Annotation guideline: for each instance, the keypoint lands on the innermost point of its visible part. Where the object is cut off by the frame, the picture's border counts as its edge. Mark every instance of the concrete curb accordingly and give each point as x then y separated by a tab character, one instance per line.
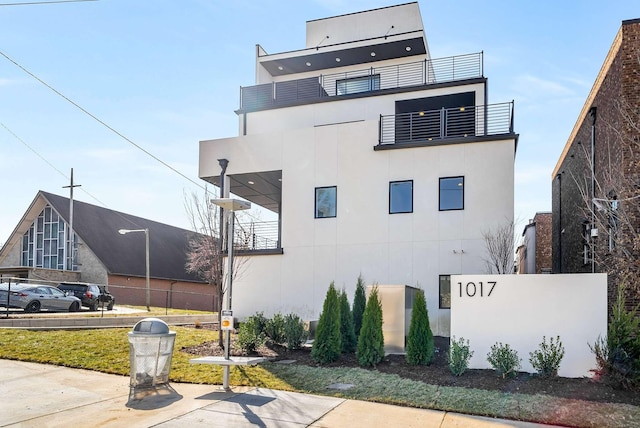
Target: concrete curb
74	323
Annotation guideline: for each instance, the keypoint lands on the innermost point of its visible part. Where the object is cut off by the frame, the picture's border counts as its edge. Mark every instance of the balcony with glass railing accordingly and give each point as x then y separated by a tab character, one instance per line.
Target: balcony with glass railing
437	126
366	80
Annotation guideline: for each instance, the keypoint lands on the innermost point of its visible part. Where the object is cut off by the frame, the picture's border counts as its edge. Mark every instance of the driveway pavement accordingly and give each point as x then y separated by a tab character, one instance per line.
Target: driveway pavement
38	395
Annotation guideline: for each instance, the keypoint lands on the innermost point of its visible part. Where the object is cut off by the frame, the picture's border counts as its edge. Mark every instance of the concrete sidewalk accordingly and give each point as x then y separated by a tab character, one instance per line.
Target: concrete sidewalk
37	395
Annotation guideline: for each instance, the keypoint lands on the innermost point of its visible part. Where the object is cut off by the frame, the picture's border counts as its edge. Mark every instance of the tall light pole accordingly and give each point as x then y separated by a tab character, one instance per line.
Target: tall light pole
146	234
230	205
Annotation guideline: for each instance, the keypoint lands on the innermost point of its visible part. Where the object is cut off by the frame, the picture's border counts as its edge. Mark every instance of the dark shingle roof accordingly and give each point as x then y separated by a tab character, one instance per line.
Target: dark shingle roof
98	228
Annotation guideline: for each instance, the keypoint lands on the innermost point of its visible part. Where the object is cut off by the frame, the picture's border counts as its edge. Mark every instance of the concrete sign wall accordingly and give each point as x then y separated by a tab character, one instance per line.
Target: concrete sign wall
519	309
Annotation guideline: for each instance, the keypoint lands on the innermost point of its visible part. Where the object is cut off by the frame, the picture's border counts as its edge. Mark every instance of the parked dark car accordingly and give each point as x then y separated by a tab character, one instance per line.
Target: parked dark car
91	295
34	297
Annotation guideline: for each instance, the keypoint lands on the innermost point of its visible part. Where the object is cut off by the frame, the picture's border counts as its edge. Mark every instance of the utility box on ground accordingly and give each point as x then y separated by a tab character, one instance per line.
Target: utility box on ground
150	350
397	306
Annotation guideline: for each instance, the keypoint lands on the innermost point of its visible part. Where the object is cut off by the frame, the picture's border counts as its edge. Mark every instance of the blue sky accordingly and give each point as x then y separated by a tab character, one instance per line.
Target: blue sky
166	74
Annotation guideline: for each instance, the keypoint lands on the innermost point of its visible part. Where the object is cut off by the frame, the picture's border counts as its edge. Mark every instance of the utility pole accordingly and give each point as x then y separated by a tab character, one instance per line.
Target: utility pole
70	236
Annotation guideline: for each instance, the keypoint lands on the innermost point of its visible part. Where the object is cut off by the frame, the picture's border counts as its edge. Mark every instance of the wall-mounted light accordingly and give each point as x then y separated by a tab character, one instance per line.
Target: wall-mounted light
373	54
408	49
308	64
337	59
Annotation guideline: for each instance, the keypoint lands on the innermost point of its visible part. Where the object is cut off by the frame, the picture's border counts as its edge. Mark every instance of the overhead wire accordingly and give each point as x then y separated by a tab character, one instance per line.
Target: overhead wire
44	2
248	214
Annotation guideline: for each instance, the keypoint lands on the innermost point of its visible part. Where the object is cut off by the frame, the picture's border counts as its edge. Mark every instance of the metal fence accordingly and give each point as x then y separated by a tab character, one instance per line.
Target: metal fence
257	235
439	70
170	296
461	122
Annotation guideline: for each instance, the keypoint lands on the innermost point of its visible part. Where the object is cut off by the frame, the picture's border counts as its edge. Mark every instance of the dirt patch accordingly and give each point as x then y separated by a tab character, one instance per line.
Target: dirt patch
438	373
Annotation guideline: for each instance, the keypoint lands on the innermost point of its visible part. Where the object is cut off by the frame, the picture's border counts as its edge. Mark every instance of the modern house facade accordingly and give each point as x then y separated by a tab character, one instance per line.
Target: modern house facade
534	255
372	159
596	181
39	249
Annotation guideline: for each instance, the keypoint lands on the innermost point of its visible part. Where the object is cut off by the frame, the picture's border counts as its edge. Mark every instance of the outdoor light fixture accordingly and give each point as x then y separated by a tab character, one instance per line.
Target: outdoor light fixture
146	233
229	204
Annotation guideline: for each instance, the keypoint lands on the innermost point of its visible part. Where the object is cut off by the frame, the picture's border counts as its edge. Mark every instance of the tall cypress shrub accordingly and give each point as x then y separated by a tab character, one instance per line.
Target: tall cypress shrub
326	346
359	303
420	344
347	334
371	340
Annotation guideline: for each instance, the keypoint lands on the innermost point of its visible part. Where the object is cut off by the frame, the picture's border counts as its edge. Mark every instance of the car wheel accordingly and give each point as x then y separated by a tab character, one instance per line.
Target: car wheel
33	307
111	304
94	306
75	307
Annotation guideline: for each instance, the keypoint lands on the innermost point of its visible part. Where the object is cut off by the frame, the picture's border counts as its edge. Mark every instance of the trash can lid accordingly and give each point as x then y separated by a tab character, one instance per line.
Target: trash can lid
151	326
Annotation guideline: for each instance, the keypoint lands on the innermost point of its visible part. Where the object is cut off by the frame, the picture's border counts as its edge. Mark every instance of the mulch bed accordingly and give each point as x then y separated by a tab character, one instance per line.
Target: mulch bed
438	373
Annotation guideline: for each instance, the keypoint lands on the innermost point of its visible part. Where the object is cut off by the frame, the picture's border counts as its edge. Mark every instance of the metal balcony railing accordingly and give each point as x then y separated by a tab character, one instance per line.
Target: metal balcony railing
279	94
257	236
424	126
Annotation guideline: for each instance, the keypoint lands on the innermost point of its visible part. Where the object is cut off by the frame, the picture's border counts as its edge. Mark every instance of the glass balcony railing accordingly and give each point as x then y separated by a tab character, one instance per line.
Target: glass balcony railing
312	89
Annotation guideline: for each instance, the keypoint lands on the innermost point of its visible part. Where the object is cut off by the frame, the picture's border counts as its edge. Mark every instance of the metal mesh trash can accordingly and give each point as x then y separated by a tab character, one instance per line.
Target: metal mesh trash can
150	351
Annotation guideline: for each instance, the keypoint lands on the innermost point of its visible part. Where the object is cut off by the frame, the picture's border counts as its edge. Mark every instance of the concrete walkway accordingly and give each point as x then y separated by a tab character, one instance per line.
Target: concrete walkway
37	395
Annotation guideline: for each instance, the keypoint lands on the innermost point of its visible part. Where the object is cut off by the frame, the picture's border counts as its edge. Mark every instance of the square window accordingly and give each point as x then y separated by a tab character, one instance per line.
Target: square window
445	292
325	202
401	197
451	193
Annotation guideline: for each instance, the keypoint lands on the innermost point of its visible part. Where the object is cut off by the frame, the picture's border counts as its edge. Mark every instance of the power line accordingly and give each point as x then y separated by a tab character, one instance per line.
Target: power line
103	124
44	2
85	111
47	162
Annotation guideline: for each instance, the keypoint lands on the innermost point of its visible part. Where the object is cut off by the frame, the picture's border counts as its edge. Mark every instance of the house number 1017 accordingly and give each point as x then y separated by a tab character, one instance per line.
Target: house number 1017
472	290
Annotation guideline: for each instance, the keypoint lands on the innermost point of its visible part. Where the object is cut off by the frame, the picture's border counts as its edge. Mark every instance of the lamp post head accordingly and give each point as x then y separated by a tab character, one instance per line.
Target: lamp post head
230	204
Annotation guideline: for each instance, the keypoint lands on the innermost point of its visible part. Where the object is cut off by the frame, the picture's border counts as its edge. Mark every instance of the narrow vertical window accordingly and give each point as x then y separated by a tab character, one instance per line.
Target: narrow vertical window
451	193
445	292
614	223
401	197
325	202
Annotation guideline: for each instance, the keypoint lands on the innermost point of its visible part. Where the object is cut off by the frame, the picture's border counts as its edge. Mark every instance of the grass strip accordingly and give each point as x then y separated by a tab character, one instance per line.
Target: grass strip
107	350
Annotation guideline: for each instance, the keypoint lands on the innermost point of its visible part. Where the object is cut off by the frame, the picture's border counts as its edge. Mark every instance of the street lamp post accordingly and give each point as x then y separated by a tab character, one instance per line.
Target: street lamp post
229	205
146	233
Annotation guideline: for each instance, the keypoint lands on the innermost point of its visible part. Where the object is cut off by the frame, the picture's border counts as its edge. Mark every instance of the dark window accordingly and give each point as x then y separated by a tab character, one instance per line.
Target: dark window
614	223
401	197
325	202
586	242
355	85
451	193
445	291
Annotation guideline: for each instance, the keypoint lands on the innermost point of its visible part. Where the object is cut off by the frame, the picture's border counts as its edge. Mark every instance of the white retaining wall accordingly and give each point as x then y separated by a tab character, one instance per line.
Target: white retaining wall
520	309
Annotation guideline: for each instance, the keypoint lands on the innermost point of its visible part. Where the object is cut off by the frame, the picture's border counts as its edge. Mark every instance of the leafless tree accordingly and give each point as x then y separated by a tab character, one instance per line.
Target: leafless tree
500	244
206	255
611	197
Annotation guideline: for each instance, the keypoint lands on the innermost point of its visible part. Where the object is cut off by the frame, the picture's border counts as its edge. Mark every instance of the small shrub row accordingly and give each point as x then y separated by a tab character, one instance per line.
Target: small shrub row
287	330
504	359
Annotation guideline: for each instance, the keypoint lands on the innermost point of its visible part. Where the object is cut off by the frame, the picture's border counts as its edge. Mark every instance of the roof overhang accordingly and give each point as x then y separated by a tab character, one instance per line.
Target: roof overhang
260	188
346	54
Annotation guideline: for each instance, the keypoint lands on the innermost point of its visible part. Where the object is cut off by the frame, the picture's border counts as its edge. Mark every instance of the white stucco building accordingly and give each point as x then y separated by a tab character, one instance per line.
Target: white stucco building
374	159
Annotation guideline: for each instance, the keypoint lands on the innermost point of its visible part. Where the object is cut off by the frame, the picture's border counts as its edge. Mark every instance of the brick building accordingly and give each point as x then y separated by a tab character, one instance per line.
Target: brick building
534	255
596	184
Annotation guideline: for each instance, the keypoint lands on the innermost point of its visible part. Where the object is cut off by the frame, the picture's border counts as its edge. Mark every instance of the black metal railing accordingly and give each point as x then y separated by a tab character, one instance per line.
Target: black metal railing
257	236
461	122
310	89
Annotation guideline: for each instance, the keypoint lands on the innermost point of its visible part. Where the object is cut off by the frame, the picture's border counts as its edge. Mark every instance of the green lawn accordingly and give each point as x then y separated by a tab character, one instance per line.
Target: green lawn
108	351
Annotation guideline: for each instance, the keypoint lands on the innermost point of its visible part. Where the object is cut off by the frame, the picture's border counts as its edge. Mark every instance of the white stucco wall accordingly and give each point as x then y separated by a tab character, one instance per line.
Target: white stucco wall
520	309
411	249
